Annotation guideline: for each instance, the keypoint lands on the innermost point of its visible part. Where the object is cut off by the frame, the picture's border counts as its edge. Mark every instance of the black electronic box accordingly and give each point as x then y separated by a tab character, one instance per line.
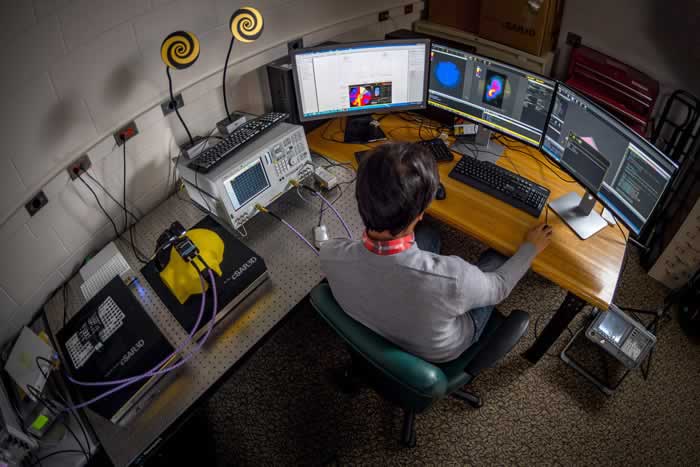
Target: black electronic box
112	337
242	272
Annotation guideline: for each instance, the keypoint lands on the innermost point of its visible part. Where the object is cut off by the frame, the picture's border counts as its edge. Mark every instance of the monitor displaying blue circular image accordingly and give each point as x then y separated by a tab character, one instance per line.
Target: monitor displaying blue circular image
447	74
447	77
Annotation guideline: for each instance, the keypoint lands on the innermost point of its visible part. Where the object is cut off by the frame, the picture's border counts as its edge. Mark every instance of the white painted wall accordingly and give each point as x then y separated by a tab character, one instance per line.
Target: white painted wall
76	70
658	37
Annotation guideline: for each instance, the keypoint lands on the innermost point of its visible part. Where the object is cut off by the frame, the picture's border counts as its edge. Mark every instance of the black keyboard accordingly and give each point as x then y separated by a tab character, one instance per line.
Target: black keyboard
245	133
439	149
502	184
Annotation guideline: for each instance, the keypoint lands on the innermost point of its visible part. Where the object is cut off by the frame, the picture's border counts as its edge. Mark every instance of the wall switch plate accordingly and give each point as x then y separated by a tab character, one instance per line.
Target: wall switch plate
35	204
125	133
79	166
169	106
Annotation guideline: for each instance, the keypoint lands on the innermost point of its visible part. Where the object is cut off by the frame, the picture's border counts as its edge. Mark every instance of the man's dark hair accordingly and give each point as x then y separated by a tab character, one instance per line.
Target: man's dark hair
395	183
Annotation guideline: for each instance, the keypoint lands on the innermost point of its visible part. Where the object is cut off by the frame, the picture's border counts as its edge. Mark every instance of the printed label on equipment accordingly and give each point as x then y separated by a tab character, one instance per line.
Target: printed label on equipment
632	349
111	317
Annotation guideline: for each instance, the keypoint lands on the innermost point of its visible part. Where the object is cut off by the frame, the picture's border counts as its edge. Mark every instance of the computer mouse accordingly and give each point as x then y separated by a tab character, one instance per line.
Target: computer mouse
440	194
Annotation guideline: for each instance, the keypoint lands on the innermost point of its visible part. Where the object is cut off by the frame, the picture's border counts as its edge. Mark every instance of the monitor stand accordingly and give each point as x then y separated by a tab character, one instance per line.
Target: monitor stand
578	213
479	146
482	139
363	129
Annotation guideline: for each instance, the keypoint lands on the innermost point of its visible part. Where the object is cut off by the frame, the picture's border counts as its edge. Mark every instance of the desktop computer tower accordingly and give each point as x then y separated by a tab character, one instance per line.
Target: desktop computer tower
279	75
283	93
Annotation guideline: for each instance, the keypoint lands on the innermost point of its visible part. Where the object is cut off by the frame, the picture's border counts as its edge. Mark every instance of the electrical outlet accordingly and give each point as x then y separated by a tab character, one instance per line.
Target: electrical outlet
408	9
169	106
383	15
79	166
572	39
295	44
125	133
35	204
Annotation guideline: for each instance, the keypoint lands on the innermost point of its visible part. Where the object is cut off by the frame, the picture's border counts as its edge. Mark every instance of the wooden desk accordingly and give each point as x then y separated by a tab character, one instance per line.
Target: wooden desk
588	269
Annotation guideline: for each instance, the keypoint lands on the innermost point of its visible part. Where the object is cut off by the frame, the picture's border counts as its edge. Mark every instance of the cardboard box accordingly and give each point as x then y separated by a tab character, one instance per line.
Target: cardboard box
521	25
461	14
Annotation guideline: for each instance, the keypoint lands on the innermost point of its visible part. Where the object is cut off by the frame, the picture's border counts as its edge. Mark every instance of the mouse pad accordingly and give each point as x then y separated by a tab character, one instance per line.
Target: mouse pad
240	267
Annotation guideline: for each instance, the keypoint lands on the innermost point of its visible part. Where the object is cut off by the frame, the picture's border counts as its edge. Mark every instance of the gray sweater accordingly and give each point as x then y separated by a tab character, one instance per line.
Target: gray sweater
418	300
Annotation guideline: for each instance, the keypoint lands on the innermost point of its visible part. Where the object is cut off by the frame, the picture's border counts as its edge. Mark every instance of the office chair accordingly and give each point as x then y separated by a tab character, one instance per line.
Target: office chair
406	380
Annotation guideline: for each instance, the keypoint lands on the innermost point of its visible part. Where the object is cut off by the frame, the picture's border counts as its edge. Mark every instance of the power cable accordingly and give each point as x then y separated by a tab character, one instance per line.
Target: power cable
289	226
331	207
114	225
177	111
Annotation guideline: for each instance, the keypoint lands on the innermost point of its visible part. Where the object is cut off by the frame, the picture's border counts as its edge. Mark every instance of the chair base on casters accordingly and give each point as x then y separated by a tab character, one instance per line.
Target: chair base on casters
469	397
408	431
405	379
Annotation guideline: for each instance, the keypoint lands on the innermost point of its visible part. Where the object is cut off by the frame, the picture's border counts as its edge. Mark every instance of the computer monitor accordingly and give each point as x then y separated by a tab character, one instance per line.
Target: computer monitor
624	171
360	79
498	96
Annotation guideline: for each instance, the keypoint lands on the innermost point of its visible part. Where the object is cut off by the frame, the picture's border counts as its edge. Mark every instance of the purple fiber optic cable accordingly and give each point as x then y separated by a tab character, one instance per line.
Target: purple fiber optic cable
337	214
313	248
177	365
182	345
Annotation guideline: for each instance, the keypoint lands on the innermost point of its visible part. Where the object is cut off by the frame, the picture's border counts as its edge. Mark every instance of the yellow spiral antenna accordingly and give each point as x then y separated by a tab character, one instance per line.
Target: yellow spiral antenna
180	50
246	24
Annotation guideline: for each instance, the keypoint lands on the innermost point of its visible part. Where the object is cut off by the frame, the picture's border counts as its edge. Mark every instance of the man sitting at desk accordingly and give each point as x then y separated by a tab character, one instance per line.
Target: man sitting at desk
395	282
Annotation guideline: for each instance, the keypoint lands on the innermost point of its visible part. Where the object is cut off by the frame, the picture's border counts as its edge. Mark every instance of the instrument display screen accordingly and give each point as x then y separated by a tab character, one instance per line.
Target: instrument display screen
247	184
613	327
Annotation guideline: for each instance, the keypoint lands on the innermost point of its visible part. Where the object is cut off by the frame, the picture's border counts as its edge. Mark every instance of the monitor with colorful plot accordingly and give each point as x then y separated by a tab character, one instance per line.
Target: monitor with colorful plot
496	95
361	79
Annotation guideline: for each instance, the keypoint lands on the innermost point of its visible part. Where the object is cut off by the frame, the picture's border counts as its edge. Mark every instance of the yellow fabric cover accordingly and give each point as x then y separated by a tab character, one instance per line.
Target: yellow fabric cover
180	277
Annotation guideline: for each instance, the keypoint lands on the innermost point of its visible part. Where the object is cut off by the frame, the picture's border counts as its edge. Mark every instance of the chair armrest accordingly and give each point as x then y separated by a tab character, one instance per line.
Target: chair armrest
500	342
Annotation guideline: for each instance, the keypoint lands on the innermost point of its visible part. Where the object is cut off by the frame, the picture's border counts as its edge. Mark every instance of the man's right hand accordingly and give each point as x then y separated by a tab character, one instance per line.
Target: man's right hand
540	236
